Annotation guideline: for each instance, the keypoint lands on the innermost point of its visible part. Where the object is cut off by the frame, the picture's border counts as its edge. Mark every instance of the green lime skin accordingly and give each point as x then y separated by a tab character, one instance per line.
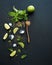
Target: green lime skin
30	9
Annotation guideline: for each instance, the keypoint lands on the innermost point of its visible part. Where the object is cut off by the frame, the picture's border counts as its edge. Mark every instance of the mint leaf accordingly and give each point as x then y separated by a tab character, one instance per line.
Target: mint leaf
11	13
23	56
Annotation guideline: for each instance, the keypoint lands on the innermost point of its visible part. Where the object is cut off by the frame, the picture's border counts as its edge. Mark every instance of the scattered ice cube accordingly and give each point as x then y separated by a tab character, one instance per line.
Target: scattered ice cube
21	31
14	45
11	36
10	24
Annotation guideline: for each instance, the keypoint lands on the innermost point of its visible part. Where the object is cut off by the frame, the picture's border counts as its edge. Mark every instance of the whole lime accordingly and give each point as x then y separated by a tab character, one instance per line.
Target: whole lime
30	8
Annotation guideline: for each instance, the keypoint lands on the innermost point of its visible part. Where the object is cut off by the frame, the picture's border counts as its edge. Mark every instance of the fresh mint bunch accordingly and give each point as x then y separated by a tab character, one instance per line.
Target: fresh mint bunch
18	15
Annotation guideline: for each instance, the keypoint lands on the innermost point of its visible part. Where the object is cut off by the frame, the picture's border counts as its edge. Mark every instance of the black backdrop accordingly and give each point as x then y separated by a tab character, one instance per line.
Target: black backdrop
40	48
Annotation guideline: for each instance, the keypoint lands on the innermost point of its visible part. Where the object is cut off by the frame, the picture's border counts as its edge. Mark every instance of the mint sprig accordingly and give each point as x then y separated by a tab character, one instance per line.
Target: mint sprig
18	15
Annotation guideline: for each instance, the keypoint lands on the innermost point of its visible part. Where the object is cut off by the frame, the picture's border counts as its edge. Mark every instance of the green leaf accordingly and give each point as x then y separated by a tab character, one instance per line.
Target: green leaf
25	18
26	15
21	12
19	15
16	14
24	11
10	49
11	13
23	56
14	19
19	38
19	50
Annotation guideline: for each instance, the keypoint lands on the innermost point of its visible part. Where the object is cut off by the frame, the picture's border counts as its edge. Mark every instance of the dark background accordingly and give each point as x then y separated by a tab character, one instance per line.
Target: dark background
40	49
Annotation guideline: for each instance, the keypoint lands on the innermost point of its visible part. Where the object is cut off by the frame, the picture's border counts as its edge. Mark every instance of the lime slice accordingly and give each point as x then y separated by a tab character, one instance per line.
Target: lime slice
13	53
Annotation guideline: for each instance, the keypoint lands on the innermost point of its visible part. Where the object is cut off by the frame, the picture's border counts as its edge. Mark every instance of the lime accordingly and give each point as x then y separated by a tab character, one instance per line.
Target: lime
30	8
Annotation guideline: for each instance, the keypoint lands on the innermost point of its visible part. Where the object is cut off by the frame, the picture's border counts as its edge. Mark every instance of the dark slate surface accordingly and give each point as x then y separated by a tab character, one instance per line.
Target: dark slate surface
40	49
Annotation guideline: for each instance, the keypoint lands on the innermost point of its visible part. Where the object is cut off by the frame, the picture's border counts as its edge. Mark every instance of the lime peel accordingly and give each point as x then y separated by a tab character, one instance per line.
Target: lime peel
30	8
13	53
5	36
23	56
21	44
15	30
